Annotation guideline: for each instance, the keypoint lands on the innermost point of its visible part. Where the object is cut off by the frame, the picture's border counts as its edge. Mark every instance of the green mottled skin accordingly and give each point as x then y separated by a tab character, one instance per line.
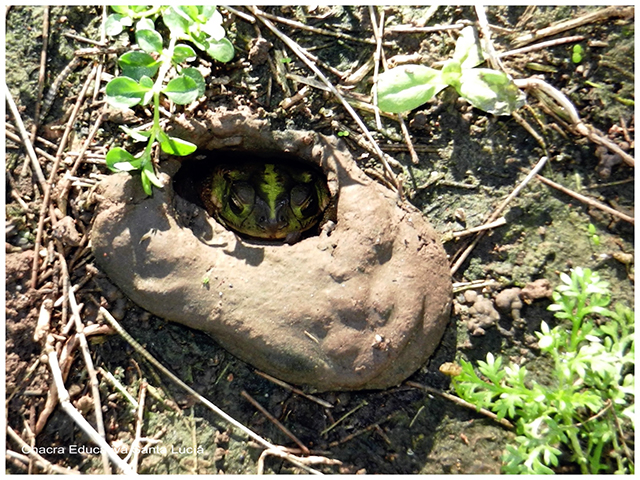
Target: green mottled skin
266	200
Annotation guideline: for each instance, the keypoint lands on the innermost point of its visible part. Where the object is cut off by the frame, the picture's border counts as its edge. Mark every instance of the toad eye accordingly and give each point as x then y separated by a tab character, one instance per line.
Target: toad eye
300	196
241	196
302	201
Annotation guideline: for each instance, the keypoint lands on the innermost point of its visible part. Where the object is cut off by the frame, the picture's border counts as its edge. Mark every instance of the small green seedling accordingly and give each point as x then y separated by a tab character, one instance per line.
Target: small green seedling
144	70
595	238
577	53
406	87
585	410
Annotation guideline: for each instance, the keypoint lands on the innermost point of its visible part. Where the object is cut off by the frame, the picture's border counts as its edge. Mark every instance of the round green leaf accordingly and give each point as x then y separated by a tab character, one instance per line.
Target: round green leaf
138	64
182	53
122	9
221	50
176	22
196	76
145	24
149	40
181	90
406	87
115	24
123	92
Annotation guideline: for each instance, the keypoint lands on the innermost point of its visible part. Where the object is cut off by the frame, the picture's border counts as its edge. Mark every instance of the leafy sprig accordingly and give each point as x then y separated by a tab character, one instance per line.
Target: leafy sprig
406	87
588	407
144	72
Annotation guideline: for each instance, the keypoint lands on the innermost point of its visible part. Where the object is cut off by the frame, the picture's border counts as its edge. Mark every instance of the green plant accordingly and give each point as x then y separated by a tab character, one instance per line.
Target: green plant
406	87
144	72
588	406
577	53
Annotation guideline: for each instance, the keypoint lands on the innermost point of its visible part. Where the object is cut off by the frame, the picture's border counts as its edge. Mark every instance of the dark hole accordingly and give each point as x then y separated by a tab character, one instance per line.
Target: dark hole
195	174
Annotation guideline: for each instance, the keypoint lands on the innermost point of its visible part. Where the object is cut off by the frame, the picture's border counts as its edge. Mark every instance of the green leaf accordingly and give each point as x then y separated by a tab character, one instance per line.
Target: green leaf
407	87
213	27
138	64
176	22
451	73
490	90
146	184
175	146
182	53
181	90
123	92
195	75
149	40
122	9
468	52
147	169
136	135
116	23
145	24
119	160
221	50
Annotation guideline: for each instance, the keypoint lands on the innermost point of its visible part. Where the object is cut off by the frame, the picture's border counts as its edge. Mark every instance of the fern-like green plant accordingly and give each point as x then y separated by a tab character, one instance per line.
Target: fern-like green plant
587	412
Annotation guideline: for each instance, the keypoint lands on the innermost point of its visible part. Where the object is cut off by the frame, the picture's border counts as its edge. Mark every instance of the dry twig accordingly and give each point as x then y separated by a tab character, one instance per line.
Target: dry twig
457	400
497	212
603	14
275	421
587	200
67	406
296	49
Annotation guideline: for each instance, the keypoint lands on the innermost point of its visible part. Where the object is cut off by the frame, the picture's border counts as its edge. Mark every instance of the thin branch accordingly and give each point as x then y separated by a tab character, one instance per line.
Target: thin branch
25	137
42	73
587	200
542	46
457	400
67	406
52	176
321	31
275	421
578	125
603	14
497	212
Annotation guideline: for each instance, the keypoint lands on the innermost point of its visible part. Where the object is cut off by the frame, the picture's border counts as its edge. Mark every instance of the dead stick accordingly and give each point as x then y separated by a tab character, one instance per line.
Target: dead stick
293	389
67	406
502	421
497	212
275	421
52	176
587	200
41	74
614	11
25	137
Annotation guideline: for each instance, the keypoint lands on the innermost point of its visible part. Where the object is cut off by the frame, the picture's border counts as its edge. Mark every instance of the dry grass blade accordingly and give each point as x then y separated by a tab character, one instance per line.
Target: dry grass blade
275	421
537	85
43	463
587	200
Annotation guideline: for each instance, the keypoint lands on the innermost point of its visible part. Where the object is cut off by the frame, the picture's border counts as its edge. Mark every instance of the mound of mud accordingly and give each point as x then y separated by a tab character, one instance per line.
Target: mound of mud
359	306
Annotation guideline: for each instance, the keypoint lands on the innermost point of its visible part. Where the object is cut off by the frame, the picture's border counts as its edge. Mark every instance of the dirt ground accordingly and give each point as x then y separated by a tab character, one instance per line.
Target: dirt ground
469	162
